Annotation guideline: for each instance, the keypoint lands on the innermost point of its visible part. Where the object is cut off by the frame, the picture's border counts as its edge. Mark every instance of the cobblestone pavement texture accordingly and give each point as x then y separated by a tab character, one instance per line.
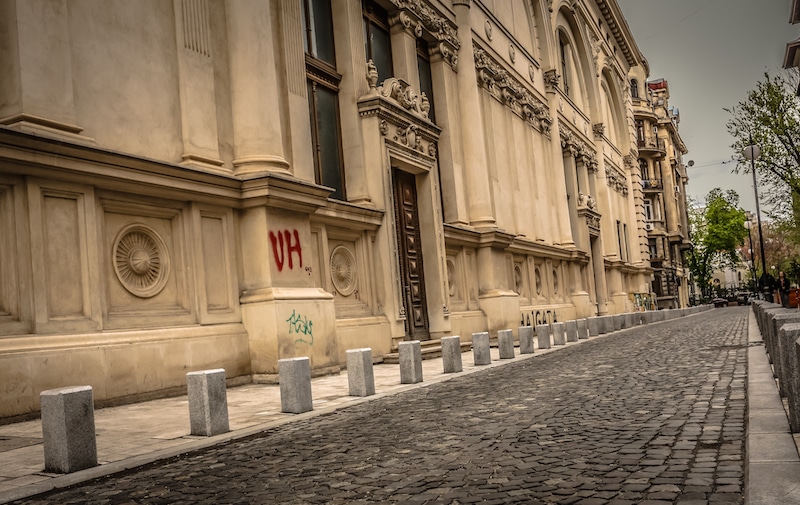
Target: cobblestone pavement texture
653	415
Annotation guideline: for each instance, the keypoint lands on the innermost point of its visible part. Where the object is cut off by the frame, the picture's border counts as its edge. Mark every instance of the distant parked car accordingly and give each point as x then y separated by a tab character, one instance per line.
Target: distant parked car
719	302
743	297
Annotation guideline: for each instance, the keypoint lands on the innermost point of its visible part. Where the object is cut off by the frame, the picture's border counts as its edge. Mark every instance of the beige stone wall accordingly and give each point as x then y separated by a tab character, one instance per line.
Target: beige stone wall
157	181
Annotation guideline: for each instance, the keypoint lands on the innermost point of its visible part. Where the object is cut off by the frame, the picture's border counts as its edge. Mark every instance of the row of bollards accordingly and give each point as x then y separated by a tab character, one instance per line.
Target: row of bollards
68	413
780	329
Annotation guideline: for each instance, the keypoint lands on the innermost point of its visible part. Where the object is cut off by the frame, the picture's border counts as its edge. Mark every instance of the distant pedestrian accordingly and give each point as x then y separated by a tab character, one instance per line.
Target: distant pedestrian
783	289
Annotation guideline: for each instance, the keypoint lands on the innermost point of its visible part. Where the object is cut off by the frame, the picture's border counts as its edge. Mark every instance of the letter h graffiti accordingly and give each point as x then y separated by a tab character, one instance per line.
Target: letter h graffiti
283	247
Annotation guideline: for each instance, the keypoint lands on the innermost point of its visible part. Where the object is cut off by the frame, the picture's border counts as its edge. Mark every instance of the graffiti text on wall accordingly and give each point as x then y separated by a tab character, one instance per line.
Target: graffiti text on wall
283	247
535	317
302	326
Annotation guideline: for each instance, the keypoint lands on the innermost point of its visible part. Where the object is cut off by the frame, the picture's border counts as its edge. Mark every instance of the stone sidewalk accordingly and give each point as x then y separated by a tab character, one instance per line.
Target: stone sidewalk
133	435
138	434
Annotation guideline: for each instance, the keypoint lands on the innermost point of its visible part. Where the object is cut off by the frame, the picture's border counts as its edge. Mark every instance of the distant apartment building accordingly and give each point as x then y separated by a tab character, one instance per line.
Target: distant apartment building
196	184
663	179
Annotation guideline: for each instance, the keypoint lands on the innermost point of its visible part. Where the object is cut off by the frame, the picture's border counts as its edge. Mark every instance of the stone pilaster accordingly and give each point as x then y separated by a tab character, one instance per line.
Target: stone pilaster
258	139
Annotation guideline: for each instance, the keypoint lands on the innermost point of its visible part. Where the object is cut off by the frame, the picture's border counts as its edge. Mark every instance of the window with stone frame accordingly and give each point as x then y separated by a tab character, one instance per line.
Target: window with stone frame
634	88
322	81
377	39
425	76
643	171
564	59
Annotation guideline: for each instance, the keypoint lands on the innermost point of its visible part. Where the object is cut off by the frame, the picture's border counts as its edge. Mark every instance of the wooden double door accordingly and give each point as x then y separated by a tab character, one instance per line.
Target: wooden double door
412	278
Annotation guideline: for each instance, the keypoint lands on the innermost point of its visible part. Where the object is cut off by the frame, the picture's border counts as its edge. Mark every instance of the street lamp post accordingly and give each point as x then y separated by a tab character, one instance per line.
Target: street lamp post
752	152
752	253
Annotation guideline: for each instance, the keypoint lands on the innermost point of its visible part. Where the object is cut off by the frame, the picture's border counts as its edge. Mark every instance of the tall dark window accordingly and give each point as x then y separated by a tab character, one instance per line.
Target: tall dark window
562	47
634	88
376	37
322	83
640	131
643	169
425	79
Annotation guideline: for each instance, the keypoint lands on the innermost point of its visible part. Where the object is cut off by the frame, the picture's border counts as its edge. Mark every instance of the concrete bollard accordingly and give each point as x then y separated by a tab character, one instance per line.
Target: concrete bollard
583	329
558	334
571	329
594	326
505	344
543	336
360	375
630	320
208	402
70	443
410	362
618	320
294	376
451	354
607	323
480	348
526	339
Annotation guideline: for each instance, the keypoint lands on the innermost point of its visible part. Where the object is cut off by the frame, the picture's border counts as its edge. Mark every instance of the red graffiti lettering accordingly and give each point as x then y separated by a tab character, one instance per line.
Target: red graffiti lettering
282	247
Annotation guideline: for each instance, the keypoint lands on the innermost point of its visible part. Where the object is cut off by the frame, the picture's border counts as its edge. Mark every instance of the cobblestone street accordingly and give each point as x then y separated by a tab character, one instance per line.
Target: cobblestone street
647	416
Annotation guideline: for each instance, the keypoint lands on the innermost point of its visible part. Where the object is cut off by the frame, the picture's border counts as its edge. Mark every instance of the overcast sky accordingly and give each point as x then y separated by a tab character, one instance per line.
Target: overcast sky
712	52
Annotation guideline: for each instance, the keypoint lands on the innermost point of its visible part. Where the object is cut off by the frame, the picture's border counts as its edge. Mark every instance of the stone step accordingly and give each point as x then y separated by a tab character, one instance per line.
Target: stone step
430	349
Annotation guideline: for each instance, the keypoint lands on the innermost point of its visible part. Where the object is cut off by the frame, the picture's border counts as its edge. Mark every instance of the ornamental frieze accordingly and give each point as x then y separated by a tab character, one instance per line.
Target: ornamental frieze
402	112
579	149
616	180
418	15
502	85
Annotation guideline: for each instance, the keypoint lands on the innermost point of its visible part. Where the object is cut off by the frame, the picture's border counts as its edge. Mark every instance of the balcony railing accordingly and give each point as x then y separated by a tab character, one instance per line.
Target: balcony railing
652	184
651	144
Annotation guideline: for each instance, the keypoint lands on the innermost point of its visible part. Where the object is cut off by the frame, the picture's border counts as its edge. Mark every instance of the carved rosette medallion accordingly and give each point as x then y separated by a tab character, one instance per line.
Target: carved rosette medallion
343	270
555	281
140	260
451	277
538	276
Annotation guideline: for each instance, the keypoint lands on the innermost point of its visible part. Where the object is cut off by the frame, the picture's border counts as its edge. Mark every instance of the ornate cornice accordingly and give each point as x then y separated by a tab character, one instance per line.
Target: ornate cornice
497	80
578	148
418	15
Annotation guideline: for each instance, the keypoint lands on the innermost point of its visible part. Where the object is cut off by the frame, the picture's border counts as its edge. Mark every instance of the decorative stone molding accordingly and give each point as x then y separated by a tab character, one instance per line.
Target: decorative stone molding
420	15
592	219
551	79
512	53
343	270
402	118
403	94
451	278
495	79
616	180
599	129
140	260
518	282
588	201
487	29
579	149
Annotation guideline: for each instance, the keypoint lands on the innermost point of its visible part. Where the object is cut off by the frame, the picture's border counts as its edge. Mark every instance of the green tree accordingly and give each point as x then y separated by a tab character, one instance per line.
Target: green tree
717	230
770	119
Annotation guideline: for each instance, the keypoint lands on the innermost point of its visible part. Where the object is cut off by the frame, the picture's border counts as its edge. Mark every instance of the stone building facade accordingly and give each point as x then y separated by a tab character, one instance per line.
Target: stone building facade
195	184
663	175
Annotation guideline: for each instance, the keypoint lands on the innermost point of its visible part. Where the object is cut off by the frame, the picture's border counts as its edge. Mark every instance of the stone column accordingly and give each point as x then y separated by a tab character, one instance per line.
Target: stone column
404	49
196	85
481	212
256	106
35	49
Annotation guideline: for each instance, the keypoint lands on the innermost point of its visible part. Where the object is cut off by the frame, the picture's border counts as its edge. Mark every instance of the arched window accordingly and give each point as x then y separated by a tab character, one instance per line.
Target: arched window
634	88
564	57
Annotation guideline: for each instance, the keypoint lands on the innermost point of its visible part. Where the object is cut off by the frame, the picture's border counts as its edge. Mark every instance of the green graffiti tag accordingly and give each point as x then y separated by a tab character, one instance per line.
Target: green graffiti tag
301	326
